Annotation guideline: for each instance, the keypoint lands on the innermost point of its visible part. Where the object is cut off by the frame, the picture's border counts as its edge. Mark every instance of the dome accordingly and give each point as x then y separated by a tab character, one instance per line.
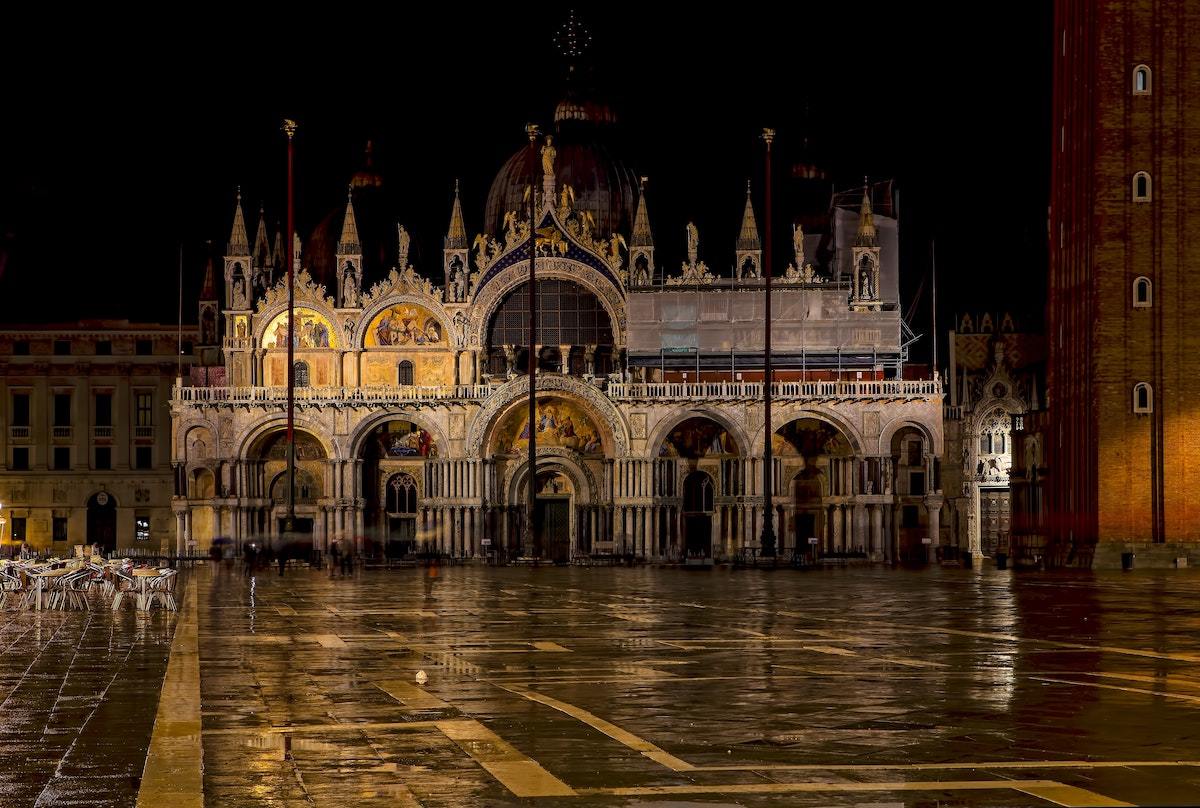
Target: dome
603	184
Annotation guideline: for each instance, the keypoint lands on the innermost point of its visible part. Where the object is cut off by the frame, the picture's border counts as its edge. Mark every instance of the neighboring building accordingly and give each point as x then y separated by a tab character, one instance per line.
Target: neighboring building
1124	372
86	437
411	404
996	375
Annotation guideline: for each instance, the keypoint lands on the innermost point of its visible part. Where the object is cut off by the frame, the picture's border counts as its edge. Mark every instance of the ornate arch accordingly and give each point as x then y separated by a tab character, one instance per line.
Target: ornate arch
933	436
276	421
308	294
490	294
498	403
390	298
785	415
561	459
680	414
367	425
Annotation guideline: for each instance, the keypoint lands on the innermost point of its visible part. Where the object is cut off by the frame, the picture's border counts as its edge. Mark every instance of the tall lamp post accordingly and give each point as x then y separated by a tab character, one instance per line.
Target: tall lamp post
532	537
289	129
767	541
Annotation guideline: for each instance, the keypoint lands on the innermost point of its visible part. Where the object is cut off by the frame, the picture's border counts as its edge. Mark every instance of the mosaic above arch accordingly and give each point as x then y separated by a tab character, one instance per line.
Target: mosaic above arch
404	324
560	422
313	330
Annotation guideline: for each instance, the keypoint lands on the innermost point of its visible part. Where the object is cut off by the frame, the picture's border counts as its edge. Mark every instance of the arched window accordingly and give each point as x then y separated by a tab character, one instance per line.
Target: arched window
300	370
1143	296
404	373
1141	80
1141	187
402	494
1143	398
698	493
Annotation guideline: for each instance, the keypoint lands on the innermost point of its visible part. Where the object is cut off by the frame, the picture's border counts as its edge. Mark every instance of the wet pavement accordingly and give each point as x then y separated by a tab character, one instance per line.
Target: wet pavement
619	687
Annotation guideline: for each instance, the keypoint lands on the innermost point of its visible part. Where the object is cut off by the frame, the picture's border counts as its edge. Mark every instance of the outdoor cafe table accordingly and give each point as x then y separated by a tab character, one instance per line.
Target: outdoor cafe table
40	578
143	577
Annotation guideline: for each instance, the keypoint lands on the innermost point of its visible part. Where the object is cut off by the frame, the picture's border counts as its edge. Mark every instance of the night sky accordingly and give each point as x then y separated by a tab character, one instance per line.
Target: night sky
121	146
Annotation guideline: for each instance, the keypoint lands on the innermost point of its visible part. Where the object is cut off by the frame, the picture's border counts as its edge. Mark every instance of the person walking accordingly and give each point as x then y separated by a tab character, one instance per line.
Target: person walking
336	554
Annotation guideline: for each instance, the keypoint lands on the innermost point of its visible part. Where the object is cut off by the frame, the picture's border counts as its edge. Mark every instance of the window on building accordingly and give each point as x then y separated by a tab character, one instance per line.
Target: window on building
141	526
143	457
62	409
1141	187
18	529
20	458
910	516
104	409
103	458
144	347
20	409
405	372
21	348
1142	293
62	458
300	369
144	402
104	347
1143	398
1141	80
60	528
916	483
985	443
62	347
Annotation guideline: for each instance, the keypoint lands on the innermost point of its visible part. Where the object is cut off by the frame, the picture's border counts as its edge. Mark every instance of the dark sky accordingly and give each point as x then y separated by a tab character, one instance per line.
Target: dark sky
121	146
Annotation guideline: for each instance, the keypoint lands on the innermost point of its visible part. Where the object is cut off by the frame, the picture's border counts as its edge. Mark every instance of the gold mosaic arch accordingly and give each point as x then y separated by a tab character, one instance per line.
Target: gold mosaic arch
484	424
313	329
498	287
405	324
556	459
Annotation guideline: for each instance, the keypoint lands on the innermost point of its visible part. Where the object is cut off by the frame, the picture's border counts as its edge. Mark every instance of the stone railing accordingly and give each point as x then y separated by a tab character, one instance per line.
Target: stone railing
652	391
828	390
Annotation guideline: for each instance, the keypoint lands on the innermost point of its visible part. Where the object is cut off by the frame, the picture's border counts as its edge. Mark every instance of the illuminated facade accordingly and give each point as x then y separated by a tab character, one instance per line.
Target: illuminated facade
411	403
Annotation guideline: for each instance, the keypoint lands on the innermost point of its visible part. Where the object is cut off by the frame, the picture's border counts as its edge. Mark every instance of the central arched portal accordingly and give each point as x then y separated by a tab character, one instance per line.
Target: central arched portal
814	457
394	484
268	470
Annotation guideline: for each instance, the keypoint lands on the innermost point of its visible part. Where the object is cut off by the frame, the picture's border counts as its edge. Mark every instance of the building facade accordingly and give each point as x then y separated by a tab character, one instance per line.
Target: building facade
1123	372
411	401
86	440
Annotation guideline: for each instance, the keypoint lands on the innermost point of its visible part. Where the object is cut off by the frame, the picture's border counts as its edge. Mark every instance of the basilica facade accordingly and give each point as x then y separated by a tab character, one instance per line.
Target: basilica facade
411	410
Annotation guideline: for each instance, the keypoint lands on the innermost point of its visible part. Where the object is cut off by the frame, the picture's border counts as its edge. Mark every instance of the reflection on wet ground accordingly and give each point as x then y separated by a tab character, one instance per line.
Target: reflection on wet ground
630	686
616	687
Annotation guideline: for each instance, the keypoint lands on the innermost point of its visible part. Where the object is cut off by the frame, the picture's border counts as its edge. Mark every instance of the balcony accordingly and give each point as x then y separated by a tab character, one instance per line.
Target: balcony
19	432
891	390
102	432
143	432
61	432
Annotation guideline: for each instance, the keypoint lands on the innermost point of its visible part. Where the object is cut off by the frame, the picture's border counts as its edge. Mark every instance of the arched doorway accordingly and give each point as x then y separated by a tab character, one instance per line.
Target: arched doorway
102	521
393	483
698	502
268	480
552	499
913	468
816	457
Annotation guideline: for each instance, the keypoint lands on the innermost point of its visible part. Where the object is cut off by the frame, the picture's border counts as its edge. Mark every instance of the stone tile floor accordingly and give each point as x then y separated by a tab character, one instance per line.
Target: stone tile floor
624	687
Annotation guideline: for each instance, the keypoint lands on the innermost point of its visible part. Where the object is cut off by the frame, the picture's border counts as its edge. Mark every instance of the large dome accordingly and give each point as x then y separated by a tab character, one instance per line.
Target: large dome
585	160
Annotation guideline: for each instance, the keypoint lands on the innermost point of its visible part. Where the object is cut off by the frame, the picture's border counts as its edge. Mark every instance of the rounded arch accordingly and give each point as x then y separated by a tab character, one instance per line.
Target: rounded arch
202	483
489	294
363	322
1143	80
1143	292
786	414
252	436
553	458
614	432
677	416
933	437
1142	186
372	422
196	444
264	318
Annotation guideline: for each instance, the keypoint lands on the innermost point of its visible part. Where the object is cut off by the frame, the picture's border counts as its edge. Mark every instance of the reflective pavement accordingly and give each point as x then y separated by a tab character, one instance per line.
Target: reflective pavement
621	687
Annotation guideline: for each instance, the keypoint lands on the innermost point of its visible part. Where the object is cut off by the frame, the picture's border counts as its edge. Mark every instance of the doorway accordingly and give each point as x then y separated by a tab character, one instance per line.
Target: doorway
554	528
102	522
697	515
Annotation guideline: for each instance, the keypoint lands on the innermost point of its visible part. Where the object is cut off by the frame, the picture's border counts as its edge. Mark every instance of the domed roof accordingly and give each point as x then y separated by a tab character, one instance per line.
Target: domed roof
585	160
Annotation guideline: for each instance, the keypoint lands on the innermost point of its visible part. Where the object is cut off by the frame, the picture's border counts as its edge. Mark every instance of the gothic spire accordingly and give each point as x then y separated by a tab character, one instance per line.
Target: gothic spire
456	236
348	244
238	245
277	257
748	237
209	290
867	236
262	250
642	237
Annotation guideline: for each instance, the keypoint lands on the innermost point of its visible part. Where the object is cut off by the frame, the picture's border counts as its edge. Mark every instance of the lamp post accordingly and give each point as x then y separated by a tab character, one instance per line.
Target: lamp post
532	538
767	541
289	129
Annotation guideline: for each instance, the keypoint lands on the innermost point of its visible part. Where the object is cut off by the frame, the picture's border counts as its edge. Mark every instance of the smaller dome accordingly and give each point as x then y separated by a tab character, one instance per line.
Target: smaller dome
574	108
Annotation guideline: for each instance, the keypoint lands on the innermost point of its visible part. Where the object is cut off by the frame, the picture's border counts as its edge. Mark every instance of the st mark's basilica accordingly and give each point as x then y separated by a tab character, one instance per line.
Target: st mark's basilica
411	412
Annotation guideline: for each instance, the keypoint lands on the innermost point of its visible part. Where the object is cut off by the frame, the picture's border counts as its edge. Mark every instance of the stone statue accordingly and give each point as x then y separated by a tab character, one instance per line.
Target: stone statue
693	242
548	155
614	250
350	288
239	293
798	244
457	281
402	241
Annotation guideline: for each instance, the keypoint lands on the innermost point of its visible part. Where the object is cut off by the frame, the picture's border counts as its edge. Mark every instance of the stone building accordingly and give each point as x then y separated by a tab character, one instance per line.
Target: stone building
1124	373
86	440
411	408
996	379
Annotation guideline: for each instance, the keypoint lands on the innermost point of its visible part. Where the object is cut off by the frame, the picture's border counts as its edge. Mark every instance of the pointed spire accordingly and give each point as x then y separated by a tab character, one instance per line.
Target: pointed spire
209	290
238	245
642	237
348	244
262	250
748	237
867	236
277	257
456	236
